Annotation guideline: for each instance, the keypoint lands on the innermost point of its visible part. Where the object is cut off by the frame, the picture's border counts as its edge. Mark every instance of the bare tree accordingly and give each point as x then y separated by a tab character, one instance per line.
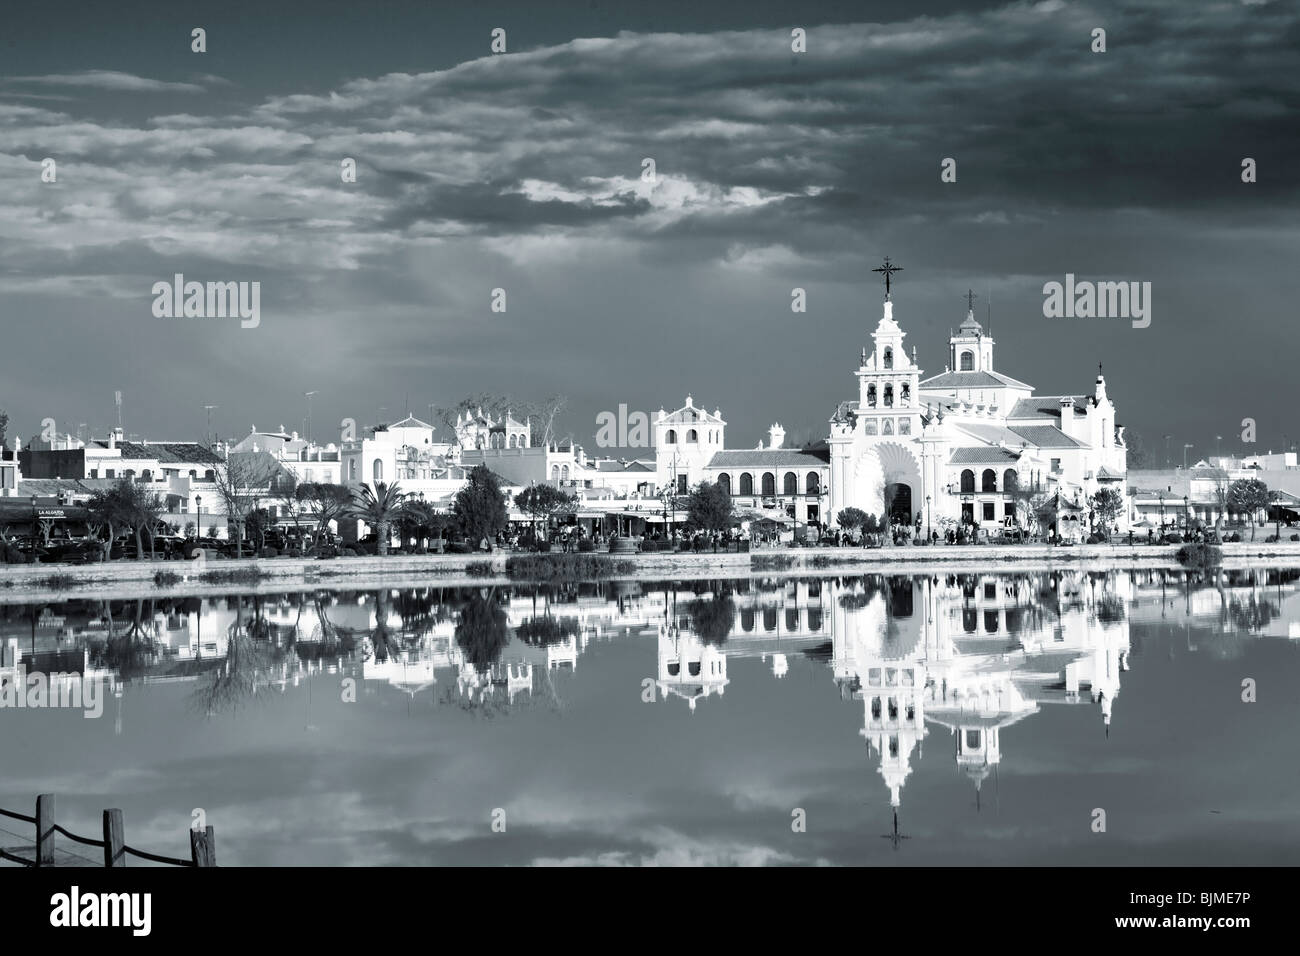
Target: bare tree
241	485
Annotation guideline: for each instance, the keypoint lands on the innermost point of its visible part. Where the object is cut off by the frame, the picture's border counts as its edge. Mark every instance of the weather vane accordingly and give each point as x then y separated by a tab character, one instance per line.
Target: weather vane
888	269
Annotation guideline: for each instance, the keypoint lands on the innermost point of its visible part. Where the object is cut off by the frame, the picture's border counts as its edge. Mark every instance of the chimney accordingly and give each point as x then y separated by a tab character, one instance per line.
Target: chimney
1067	410
776	435
295	436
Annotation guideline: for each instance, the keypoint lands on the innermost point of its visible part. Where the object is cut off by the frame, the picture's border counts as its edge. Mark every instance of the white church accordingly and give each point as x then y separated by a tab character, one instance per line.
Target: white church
969	446
959	444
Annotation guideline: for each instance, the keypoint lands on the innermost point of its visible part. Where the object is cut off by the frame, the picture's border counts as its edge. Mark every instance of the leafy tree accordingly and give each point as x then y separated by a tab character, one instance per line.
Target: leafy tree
325	502
1107	505
130	506
1248	495
420	520
852	519
379	508
480	506
709	508
544	501
258	523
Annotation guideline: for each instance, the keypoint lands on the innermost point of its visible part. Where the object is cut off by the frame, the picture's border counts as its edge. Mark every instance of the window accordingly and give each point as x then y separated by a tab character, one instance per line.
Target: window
555	473
510	443
988	511
906	392
990	592
377	470
904	426
671	437
1056	466
1008	510
889	396
352	469
310	475
989	480
871	396
875	708
888	428
564	473
870	427
94	473
972	740
681	483
769	619
889	358
746	483
724	482
1010	480
769	483
814	483
747	620
791	484
968	482
991	621
110	473
967	361
969	620
692	437
792	619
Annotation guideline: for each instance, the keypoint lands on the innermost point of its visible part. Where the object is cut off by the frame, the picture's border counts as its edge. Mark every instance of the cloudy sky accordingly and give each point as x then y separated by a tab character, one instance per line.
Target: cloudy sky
522	171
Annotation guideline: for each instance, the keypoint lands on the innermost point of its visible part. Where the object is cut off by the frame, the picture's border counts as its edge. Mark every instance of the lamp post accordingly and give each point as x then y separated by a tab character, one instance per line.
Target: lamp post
1186	524
927	519
198	517
36	523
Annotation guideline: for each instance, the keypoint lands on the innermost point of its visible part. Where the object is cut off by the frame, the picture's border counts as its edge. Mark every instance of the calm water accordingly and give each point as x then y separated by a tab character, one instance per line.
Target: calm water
986	717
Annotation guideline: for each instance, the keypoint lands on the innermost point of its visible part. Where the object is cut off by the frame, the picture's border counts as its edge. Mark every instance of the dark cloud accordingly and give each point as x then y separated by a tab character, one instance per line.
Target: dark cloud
774	170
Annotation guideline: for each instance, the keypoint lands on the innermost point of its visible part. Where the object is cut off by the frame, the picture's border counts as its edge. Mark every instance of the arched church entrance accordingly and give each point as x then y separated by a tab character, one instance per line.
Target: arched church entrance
898	501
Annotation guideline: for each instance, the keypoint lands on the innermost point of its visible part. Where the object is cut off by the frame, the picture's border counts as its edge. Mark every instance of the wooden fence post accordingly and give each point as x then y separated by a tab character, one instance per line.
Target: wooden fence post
45	829
114	840
203	847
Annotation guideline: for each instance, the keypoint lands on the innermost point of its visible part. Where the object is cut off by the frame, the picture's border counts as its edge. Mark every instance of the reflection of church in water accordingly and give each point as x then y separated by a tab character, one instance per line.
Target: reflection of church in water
971	654
975	654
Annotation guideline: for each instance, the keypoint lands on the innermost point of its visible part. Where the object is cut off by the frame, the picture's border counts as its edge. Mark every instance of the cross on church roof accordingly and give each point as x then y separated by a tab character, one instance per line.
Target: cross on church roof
888	269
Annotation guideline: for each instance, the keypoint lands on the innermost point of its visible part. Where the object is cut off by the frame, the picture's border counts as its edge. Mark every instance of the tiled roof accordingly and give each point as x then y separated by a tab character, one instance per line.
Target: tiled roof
1046	406
771	458
1046	436
982	455
188	453
972	380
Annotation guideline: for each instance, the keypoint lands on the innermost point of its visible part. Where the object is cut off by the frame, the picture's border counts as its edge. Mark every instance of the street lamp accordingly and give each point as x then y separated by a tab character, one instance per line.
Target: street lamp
198	517
927	519
1185	522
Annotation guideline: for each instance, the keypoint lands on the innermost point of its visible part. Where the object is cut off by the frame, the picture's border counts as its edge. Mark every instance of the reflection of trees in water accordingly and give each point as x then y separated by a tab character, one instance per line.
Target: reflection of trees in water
1253	614
483	631
383	638
231	683
545	630
712	618
133	652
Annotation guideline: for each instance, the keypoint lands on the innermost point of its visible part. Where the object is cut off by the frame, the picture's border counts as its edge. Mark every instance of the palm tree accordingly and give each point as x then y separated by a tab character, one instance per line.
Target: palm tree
379	509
